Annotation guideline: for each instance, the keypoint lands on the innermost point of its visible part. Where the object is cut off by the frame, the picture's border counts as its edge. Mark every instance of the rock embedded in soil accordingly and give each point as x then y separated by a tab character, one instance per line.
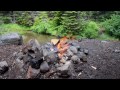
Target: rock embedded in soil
44	67
35	63
73	49
63	61
117	51
3	67
75	59
82	56
11	39
69	53
51	58
86	51
19	63
65	69
34	44
32	73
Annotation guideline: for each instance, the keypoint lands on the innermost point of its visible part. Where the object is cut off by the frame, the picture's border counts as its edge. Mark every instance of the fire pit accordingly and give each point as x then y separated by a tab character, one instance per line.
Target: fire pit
56	57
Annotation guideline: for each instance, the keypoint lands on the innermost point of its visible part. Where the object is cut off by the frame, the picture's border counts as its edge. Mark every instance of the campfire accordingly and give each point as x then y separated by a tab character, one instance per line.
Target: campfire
56	56
61	45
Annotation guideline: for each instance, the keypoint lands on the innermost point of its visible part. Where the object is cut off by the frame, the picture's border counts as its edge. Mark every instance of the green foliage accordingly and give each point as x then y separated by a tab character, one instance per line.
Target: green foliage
91	30
5	19
70	22
83	24
6	28
24	19
106	37
112	26
44	25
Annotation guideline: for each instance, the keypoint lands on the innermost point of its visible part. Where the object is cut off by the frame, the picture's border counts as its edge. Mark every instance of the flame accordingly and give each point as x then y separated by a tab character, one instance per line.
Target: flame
62	46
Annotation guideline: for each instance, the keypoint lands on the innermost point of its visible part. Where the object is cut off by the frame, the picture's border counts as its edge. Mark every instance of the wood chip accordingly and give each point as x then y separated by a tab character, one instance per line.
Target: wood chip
62	61
54	41
79	74
94	67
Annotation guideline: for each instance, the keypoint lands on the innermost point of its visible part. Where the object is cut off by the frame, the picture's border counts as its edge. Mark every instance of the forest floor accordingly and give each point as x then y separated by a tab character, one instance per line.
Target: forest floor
103	61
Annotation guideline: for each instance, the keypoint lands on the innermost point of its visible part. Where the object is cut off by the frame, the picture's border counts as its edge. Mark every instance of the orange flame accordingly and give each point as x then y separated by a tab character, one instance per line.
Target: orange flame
62	46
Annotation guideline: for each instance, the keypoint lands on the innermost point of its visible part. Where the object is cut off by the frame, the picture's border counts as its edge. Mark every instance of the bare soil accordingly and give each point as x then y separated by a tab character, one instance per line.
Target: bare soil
102	62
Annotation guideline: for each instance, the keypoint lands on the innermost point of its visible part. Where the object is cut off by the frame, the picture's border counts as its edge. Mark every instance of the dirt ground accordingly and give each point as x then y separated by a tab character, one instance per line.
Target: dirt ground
102	56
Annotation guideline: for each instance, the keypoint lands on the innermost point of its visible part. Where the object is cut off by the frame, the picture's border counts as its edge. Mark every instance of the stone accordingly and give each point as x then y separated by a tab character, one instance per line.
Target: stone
20	55
52	57
57	65
3	67
45	52
11	39
44	67
86	51
63	61
65	66
32	73
37	44
35	63
117	51
69	53
78	48
82	56
65	69
34	45
75	59
15	54
73	49
19	64
81	50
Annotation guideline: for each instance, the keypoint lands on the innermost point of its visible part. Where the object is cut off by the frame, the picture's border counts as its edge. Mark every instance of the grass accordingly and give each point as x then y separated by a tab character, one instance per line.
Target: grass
6	28
106	37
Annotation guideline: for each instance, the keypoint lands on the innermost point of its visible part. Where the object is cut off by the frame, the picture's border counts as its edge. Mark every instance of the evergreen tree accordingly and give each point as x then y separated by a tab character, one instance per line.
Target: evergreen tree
70	23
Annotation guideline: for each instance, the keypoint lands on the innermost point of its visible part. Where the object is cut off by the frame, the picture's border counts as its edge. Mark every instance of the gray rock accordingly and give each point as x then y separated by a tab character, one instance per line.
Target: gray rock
11	38
69	53
82	56
19	64
34	45
81	50
73	49
3	67
78	48
44	67
20	55
32	73
75	59
57	65
35	63
65	69
3	63
52	57
117	51
65	66
45	52
86	51
15	54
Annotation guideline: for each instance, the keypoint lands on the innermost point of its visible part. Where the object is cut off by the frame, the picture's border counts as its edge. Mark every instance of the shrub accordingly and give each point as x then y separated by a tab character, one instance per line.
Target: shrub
44	25
112	26
90	30
25	19
6	19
